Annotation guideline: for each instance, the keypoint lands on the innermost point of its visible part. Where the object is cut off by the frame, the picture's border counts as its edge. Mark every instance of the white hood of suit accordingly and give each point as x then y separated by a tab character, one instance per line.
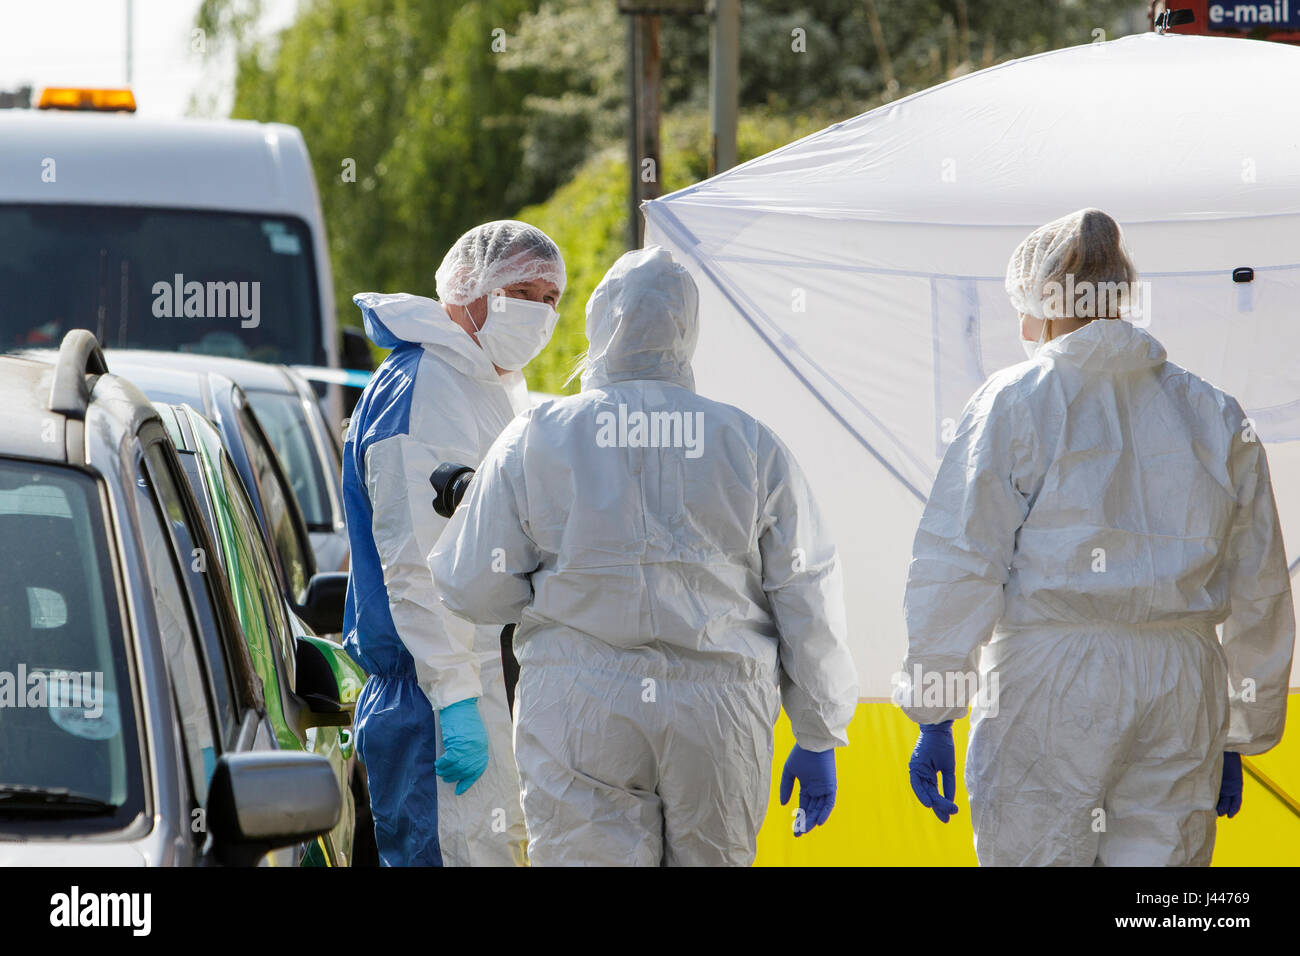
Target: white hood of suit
642	322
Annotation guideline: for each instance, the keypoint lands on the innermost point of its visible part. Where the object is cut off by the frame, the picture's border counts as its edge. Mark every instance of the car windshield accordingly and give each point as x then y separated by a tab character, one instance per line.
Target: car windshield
285	422
215	283
66	714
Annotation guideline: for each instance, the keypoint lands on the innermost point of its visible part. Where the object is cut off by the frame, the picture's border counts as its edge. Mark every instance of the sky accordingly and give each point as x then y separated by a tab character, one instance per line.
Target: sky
83	43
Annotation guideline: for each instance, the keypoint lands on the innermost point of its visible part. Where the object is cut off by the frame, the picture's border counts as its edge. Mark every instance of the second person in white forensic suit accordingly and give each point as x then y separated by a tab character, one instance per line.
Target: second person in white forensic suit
673	587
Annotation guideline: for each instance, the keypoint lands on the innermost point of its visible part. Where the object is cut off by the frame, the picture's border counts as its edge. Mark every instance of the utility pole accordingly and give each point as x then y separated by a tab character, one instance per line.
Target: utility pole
648	59
882	50
644	58
130	35
724	84
633	144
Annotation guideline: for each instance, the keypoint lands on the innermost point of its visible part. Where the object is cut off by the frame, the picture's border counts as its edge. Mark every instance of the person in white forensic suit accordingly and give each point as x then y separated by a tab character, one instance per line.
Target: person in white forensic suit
1099	512
673	584
433	725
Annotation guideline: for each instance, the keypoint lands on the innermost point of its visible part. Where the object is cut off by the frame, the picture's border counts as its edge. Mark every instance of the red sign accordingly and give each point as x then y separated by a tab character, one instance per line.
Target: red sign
1277	20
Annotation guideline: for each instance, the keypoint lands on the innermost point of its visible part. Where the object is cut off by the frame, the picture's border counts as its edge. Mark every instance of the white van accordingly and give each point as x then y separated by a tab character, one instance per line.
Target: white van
200	236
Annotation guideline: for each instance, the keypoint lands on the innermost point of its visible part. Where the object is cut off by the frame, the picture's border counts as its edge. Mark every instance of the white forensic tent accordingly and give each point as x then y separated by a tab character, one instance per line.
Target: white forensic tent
851	296
852	282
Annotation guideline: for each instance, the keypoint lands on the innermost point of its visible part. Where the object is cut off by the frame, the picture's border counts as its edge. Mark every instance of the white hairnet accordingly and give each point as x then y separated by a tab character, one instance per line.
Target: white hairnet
642	322
495	255
1086	247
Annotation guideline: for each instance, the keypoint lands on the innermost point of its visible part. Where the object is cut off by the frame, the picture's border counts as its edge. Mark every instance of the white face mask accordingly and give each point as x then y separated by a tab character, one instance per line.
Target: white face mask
515	330
1031	348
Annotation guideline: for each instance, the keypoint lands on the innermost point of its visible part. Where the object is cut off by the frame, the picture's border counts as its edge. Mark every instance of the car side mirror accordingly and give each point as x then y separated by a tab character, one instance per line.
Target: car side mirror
327	681
267	799
356	351
322	608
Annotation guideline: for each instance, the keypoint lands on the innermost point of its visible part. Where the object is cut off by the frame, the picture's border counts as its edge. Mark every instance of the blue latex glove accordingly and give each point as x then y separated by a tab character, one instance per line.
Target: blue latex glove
816	775
464	744
934	755
1230	786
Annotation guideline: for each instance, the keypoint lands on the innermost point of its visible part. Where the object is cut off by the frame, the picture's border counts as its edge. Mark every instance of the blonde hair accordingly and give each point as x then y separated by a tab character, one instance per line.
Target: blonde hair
1076	267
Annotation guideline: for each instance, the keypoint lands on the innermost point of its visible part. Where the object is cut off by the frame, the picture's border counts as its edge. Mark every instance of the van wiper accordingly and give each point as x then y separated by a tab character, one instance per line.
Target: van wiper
16	798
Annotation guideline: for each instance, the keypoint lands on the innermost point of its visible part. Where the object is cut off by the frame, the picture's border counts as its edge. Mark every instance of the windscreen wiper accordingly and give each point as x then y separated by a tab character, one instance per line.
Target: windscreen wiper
16	798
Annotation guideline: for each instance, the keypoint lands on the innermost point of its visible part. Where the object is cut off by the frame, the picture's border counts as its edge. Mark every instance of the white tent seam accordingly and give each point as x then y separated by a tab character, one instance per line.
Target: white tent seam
843	215
919	274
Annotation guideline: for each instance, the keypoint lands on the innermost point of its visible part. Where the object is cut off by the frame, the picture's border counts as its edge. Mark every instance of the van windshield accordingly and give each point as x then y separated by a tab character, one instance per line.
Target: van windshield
215	283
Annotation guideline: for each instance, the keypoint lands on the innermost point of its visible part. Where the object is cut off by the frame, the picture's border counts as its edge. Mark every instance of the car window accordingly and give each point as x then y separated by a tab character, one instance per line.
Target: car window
259	602
179	642
285	422
67	719
279	507
203	585
260	575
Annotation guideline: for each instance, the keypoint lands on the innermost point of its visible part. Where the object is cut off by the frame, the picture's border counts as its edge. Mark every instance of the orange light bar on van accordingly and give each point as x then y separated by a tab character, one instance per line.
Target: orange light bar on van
78	98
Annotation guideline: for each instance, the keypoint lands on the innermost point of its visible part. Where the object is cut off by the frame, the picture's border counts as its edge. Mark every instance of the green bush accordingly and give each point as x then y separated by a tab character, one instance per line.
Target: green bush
587	217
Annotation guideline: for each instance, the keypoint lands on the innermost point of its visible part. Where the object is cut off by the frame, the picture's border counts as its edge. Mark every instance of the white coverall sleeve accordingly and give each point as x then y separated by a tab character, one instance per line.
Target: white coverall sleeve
961	557
405	527
484	562
1259	634
805	587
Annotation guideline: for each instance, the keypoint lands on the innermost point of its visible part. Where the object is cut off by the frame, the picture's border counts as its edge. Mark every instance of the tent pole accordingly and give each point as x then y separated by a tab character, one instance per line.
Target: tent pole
1271	786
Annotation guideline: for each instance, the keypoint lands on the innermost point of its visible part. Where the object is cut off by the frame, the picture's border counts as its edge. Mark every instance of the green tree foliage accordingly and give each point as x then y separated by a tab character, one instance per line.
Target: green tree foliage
786	93
587	217
427	117
415	133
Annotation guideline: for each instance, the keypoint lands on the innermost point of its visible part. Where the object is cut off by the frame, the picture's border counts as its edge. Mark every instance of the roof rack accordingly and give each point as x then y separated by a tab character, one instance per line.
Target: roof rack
79	356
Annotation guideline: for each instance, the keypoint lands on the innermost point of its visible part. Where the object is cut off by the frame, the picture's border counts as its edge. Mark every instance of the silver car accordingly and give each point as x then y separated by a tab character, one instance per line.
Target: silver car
290	414
133	725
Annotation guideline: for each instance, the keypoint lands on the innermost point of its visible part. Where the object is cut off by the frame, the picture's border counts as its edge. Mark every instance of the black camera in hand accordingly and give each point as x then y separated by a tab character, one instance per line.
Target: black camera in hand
450	480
